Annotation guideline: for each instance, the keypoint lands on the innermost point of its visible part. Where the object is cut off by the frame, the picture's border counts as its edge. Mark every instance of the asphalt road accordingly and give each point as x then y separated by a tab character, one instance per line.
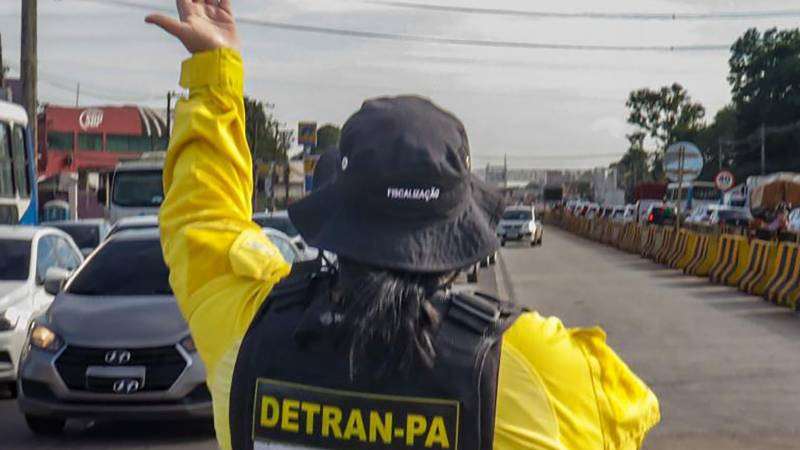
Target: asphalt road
725	366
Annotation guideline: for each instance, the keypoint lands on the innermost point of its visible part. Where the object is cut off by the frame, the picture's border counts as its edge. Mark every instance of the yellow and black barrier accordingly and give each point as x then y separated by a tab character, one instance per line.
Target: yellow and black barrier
670	236
785	275
687	254
701	247
761	254
727	258
648	240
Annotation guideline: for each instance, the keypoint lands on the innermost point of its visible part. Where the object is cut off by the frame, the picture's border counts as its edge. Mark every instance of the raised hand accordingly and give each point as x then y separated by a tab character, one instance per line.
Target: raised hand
204	25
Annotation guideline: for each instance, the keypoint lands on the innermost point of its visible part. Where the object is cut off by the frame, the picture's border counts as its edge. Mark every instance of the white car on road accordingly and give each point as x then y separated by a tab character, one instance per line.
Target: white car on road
29	256
519	224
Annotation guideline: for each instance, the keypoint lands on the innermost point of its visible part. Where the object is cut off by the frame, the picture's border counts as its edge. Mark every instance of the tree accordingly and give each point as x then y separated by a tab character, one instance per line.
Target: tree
327	137
269	140
664	116
765	84
765	78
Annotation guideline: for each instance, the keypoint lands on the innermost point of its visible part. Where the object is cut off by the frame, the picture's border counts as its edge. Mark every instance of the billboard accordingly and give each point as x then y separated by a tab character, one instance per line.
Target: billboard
307	134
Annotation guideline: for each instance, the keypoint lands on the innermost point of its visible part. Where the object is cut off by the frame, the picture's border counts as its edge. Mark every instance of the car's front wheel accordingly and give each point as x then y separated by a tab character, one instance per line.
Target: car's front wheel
45	426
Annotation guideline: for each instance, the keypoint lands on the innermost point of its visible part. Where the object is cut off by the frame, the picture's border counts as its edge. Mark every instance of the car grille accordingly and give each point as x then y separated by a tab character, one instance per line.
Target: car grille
163	366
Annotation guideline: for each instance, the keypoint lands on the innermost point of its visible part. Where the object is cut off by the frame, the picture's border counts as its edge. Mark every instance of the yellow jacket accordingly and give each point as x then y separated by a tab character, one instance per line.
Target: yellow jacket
558	388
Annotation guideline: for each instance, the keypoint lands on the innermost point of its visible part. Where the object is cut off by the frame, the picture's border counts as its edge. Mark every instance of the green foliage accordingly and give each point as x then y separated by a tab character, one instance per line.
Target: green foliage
765	85
765	78
664	116
327	137
269	139
664	113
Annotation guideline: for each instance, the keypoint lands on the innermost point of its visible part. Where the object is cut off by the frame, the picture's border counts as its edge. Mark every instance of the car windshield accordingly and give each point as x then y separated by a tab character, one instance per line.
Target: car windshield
124	267
85	236
15	262
138	189
279	223
517	215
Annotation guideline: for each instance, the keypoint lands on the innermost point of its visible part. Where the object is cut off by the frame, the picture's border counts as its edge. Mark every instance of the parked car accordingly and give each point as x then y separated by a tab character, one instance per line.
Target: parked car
284	243
134	223
660	215
29	259
630	214
137	360
87	234
279	220
794	220
734	216
617	214
519	224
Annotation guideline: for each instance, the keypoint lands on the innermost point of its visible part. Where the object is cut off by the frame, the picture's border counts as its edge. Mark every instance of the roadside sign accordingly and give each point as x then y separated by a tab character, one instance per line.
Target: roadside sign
309	166
307	134
725	180
683	162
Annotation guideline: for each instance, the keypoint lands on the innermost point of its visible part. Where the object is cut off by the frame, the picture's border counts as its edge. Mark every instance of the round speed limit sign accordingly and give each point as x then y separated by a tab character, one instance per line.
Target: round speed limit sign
725	180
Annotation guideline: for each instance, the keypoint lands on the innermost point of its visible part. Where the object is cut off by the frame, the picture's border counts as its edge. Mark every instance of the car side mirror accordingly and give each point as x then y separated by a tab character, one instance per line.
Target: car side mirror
54	280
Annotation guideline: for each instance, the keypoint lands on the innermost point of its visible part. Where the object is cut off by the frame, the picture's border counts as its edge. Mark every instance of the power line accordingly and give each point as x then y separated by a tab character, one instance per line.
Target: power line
729	15
379	35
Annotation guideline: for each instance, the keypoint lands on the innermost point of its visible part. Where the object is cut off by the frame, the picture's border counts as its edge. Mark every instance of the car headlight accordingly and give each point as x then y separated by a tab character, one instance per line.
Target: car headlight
45	339
9	319
188	344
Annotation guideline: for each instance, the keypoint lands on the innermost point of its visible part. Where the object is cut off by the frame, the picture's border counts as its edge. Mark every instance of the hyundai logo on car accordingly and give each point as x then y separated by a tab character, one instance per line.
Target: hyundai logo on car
118	357
126	386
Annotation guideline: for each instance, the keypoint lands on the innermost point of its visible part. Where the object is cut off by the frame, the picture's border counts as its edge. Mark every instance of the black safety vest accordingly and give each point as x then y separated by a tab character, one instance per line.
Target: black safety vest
292	385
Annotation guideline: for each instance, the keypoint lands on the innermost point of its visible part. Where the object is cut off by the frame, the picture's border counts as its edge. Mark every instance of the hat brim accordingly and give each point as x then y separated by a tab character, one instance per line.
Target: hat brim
326	220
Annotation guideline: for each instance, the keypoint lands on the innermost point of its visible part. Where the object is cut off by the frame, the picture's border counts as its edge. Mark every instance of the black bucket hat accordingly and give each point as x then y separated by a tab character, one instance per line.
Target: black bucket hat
403	197
327	166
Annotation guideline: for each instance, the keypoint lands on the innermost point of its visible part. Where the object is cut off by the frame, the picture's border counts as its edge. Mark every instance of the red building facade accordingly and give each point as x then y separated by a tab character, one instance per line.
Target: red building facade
96	138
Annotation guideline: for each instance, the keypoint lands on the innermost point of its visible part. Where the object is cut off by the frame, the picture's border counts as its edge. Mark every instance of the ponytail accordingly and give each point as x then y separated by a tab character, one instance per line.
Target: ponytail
388	313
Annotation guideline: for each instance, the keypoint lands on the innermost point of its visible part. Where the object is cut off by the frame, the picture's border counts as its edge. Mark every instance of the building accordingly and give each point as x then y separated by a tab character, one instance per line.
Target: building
96	138
78	146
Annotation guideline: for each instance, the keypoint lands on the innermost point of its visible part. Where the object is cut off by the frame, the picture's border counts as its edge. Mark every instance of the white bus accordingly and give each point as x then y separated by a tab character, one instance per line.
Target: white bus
694	194
18	197
137	188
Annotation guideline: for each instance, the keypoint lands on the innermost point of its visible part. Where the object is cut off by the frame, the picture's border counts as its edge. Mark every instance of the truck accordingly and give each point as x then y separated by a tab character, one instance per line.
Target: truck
647	194
136	188
553	195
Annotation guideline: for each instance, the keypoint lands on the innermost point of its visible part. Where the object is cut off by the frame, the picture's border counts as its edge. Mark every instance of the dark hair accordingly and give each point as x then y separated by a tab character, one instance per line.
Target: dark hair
388	313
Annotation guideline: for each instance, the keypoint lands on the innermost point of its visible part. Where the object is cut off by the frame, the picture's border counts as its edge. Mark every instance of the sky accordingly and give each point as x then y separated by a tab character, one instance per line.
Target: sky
541	108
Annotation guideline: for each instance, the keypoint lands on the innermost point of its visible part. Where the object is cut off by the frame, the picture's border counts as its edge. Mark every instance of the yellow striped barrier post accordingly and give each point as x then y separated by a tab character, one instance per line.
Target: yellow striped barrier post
700	254
784	273
687	255
726	257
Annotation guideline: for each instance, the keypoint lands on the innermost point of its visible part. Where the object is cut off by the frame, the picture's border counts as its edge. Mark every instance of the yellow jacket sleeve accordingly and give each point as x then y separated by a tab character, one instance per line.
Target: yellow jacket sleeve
565	389
222	266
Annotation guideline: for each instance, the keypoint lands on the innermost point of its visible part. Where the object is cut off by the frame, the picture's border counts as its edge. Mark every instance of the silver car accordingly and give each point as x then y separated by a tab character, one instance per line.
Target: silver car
113	345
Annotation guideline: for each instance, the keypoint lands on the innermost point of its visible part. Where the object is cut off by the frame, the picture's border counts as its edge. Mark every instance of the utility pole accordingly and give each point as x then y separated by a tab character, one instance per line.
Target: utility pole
719	153
78	95
763	150
169	114
28	64
505	171
2	68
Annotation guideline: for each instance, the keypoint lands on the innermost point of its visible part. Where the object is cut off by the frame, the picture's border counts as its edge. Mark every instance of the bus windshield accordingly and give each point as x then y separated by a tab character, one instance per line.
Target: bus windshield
138	189
18	199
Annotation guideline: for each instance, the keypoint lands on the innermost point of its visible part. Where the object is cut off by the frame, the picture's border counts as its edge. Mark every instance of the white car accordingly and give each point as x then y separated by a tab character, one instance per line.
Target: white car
519	224
31	258
630	215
